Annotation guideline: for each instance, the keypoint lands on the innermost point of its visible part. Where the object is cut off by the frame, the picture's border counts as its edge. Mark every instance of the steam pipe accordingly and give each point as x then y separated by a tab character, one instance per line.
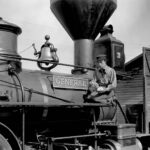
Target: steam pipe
12	71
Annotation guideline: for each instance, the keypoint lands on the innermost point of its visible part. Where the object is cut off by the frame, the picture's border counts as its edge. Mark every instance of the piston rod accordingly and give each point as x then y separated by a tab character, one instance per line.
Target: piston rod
77	136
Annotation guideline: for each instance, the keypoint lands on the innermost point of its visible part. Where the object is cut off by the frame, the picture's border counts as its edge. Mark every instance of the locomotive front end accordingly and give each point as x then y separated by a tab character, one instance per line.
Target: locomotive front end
47	108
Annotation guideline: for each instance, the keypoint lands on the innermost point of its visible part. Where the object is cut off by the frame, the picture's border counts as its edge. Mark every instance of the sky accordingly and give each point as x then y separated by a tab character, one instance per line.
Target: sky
131	22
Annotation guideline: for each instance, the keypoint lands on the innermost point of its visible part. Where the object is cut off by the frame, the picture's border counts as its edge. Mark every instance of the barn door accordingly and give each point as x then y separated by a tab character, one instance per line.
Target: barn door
146	73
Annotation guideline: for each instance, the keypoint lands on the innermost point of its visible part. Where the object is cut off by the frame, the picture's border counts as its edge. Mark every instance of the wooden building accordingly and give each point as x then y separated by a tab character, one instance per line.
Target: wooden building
133	91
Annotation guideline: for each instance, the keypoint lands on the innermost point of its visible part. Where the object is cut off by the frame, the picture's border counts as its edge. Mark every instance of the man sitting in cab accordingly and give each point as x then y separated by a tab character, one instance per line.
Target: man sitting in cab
102	86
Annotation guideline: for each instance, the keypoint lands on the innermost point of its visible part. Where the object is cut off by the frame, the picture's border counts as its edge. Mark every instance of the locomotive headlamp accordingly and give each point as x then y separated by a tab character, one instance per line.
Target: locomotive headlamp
47	57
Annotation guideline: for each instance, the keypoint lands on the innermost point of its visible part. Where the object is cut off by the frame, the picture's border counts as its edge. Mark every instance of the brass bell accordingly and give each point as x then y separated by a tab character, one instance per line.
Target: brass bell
47	55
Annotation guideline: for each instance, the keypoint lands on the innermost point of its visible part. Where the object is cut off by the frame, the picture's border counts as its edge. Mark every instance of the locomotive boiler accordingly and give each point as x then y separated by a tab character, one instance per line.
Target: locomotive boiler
42	110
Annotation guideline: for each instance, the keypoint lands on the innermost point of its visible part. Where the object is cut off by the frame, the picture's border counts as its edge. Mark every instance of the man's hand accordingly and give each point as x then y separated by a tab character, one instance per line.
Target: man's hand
101	89
93	94
93	83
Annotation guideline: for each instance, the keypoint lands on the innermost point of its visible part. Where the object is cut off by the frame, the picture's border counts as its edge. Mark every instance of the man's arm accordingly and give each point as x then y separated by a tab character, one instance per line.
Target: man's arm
113	80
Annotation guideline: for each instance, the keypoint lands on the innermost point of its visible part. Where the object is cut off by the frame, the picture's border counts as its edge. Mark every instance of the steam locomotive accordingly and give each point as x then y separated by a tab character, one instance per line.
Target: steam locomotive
42	110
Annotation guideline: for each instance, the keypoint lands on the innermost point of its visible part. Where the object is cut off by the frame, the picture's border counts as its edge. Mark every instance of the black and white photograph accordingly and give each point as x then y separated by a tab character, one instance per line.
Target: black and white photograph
75	75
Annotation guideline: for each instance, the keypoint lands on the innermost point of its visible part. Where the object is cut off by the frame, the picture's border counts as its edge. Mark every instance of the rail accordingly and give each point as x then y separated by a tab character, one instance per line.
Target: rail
32	104
39	61
119	73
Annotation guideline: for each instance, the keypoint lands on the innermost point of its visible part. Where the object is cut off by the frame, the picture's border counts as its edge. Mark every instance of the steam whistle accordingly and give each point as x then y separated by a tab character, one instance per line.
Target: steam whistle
47	57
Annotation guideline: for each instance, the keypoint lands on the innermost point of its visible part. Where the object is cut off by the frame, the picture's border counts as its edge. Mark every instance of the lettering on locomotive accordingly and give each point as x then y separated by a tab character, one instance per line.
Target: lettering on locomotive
69	82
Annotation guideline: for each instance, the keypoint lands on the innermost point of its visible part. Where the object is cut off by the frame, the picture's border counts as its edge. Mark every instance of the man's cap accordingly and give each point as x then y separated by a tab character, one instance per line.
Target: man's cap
101	57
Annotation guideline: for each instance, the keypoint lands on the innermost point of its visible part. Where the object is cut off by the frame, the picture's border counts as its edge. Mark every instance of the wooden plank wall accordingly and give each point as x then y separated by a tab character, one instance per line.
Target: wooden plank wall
130	92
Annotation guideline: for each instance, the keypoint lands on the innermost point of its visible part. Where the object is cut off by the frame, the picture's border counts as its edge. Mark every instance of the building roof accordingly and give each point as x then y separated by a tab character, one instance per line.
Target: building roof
136	62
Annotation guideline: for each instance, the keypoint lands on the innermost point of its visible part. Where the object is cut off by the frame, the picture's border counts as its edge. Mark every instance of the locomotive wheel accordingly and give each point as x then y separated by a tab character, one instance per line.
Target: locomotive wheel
108	147
4	145
111	145
8	140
